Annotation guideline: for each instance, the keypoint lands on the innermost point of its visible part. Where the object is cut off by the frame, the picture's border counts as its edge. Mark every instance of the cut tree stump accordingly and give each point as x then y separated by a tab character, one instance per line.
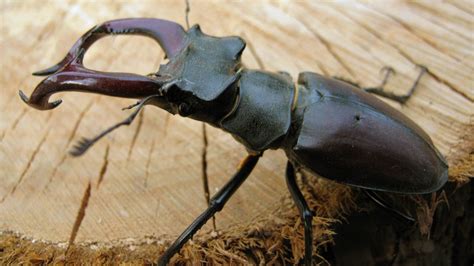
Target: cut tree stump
146	180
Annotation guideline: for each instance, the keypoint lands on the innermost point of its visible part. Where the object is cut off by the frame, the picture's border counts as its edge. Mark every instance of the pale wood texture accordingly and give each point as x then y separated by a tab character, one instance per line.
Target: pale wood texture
152	176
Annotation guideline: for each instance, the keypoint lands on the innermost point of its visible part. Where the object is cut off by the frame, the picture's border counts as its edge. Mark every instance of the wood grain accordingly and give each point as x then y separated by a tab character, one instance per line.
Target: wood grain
150	172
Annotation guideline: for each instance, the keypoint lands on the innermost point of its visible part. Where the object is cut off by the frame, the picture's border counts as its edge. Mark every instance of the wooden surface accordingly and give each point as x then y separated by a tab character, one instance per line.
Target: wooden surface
152	171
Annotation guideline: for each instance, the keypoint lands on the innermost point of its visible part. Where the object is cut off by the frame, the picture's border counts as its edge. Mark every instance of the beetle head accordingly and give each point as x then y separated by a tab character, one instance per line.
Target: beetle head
204	76
198	81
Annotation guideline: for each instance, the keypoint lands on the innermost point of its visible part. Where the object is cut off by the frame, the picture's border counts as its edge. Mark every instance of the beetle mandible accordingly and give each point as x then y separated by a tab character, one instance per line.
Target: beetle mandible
326	126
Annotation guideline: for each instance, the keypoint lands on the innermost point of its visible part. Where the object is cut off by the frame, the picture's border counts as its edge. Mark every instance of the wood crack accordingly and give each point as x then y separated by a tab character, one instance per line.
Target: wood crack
28	165
14	124
327	45
409	58
17	120
105	163
460	8
69	140
13	99
148	162
48	28
436	22
254	53
78	122
152	148
423	39
80	215
449	85
135	135
324	71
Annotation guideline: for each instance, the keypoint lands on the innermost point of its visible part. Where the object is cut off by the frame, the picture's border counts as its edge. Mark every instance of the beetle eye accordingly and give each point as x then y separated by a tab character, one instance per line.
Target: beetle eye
184	109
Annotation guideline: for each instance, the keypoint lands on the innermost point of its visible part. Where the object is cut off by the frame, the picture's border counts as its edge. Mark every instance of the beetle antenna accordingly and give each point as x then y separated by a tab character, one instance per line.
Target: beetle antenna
188	8
84	144
131	106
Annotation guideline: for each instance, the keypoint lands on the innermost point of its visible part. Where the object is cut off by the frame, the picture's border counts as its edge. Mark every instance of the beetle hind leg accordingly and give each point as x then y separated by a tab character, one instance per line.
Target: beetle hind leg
305	212
380	202
390	95
379	90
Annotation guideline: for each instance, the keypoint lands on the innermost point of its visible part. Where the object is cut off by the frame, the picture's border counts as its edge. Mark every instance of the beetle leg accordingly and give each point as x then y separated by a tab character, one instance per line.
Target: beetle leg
379	90
217	202
84	144
390	95
131	106
305	212
379	201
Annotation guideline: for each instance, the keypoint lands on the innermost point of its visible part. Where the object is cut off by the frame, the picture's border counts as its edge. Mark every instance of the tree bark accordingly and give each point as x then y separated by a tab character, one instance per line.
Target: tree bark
379	238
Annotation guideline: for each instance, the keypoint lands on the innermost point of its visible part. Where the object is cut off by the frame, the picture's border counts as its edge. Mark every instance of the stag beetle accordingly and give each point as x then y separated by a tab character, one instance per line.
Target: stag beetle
326	126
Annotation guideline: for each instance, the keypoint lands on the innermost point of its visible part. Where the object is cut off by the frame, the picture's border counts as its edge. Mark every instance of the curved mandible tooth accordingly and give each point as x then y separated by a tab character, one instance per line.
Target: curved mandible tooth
170	36
76	53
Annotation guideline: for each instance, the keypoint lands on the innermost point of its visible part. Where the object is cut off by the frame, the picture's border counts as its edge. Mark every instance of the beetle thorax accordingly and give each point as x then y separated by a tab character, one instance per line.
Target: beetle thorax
204	76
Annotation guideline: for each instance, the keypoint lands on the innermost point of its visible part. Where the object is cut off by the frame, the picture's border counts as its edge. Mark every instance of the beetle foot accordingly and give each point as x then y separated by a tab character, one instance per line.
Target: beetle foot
81	147
402	99
85	143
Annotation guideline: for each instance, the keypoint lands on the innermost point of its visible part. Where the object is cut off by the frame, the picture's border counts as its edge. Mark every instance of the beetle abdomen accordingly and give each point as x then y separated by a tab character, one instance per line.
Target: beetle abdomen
351	136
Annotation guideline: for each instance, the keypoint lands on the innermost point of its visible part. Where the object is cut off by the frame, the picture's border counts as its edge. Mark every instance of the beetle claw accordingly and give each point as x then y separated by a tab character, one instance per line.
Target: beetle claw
81	147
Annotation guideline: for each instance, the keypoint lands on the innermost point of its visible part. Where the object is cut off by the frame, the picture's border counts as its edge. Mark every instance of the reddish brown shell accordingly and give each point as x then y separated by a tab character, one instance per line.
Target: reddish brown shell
352	137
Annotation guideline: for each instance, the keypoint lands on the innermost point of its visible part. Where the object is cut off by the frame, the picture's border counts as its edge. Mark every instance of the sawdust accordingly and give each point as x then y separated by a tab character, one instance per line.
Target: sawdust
462	170
277	238
274	239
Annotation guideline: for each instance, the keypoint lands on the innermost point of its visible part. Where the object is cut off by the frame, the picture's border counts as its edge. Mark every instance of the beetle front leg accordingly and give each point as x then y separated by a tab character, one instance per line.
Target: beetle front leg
84	144
216	204
305	212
